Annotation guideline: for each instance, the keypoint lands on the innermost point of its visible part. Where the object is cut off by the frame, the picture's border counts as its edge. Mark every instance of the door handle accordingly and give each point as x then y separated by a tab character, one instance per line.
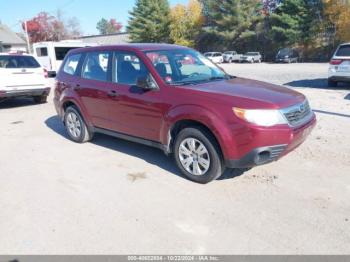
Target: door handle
113	93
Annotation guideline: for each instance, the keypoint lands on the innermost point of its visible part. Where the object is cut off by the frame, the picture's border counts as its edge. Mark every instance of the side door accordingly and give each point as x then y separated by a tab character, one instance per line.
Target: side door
134	111
95	87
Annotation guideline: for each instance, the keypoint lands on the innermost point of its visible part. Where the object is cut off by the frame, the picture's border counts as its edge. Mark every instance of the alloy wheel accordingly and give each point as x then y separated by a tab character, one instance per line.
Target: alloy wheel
73	125
194	156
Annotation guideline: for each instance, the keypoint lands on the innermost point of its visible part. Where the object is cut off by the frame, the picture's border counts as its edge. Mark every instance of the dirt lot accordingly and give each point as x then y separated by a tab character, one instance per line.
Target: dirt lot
112	196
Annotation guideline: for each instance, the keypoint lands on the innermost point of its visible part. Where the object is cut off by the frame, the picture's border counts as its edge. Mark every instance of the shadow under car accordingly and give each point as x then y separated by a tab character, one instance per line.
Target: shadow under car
151	155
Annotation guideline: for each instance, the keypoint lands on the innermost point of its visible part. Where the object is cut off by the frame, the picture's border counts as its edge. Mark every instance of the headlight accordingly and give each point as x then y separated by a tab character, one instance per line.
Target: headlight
269	117
287	56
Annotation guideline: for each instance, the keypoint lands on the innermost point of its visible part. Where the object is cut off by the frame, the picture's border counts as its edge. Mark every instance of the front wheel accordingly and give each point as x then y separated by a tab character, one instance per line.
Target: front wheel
75	126
198	156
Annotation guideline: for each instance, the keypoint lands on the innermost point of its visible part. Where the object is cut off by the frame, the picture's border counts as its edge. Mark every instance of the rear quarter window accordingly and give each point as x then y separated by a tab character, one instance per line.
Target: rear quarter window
343	50
71	64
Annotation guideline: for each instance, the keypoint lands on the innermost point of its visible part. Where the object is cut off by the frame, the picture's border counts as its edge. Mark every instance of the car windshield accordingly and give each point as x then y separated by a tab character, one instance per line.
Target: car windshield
11	61
343	50
284	52
184	66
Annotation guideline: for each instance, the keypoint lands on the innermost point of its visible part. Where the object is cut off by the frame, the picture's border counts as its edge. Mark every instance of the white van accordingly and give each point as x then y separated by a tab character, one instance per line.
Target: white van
51	54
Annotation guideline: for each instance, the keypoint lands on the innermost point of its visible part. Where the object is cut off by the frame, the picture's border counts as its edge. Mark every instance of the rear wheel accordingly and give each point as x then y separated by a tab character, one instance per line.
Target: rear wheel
332	83
198	156
40	99
76	126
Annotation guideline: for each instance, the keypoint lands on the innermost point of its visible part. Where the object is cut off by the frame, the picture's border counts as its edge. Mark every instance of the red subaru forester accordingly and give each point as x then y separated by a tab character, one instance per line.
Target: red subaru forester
173	98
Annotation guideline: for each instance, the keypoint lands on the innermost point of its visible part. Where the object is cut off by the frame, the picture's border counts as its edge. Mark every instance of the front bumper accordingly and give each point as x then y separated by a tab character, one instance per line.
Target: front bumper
282	60
24	93
266	154
246	60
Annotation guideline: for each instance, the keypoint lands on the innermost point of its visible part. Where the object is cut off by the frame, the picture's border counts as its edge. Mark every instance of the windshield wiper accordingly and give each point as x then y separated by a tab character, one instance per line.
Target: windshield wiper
196	82
218	78
183	83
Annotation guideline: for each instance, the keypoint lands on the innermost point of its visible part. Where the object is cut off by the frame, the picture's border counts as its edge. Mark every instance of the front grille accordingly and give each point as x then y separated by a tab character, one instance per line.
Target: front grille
298	114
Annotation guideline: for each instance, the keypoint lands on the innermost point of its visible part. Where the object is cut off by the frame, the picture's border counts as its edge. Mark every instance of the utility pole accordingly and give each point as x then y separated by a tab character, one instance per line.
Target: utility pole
27	36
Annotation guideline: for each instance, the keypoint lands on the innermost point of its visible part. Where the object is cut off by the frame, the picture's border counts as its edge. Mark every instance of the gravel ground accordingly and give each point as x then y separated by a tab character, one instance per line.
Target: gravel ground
116	197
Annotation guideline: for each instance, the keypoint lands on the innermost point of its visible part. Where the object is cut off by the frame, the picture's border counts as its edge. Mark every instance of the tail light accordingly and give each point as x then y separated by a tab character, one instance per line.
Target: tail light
336	61
46	74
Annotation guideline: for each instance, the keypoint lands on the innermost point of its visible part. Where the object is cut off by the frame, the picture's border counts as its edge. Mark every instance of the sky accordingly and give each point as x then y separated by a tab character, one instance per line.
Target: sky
87	12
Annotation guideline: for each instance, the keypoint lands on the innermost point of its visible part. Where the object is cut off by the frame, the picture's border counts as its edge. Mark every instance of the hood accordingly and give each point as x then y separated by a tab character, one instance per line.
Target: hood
249	94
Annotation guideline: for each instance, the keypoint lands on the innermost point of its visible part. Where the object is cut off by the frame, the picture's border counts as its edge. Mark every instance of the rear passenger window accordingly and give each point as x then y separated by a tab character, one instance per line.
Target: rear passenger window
71	64
96	66
128	67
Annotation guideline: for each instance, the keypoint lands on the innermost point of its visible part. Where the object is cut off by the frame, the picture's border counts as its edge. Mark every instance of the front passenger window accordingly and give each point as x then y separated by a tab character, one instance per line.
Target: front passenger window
128	68
96	66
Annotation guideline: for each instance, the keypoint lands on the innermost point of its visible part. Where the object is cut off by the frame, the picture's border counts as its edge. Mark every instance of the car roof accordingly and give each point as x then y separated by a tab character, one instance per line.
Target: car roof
345	44
131	47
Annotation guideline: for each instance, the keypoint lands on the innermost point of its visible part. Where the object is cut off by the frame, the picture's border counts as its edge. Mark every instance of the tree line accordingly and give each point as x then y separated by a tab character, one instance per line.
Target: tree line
314	27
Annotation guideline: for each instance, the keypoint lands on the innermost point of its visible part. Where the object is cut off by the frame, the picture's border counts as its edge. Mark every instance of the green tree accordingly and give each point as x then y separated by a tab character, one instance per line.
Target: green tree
102	26
233	20
149	21
294	22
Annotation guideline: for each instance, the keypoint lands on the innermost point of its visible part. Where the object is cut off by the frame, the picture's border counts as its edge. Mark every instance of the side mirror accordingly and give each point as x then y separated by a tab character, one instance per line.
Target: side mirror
146	83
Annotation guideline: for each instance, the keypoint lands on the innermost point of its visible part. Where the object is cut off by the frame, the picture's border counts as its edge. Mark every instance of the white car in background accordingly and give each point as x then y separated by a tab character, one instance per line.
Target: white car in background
215	57
251	57
51	54
21	75
339	66
231	56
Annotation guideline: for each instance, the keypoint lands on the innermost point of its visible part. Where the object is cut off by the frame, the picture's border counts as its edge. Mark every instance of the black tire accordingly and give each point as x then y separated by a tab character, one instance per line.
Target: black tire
332	83
40	99
85	135
216	166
